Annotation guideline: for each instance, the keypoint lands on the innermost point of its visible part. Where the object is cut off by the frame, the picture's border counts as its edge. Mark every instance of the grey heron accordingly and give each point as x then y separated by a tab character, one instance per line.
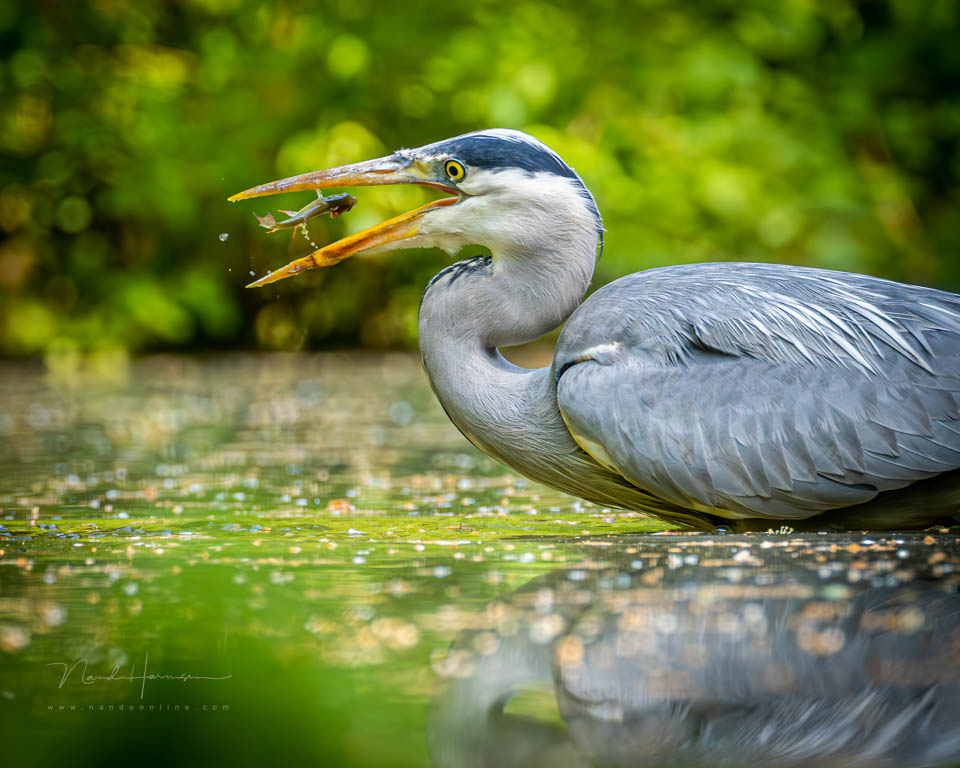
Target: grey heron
702	391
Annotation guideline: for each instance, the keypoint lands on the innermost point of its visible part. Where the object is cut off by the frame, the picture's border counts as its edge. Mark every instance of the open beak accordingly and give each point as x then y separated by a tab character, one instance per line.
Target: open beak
384	170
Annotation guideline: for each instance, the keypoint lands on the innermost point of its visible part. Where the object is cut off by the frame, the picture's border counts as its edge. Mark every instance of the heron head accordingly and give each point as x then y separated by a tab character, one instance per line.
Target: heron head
505	190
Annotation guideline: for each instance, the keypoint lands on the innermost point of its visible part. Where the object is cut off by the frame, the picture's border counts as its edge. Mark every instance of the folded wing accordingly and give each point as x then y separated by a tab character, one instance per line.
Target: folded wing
762	389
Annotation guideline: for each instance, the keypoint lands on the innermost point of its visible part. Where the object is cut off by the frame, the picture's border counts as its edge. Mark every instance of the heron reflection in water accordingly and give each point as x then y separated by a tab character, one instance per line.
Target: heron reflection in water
817	651
706	392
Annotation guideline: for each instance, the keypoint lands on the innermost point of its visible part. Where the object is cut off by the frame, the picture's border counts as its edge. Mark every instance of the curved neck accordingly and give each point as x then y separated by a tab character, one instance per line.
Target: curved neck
477	305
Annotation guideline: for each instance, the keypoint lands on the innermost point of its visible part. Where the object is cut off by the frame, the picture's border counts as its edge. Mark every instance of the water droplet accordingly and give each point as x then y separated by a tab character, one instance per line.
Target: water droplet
252	272
224	236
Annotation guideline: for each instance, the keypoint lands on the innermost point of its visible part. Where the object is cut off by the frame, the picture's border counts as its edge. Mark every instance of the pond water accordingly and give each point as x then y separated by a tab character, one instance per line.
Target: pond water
237	559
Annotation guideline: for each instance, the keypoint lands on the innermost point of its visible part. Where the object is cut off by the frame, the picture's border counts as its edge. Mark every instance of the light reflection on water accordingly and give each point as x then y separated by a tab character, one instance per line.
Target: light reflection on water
313	530
697	651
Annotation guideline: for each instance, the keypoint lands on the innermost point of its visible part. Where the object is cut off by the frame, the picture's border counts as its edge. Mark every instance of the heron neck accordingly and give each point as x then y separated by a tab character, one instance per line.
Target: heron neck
477	305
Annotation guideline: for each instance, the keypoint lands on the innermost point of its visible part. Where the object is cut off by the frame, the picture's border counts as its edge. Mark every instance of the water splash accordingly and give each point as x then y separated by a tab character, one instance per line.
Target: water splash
306	236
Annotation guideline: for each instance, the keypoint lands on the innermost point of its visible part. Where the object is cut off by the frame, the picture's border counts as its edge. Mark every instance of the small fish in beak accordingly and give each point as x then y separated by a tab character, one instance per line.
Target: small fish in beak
395	169
334	205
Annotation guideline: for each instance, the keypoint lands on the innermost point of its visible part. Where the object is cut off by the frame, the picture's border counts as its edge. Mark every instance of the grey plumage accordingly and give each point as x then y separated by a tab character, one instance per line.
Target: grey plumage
765	389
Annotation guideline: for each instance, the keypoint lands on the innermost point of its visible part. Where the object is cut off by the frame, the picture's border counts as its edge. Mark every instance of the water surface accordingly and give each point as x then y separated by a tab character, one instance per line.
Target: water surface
240	559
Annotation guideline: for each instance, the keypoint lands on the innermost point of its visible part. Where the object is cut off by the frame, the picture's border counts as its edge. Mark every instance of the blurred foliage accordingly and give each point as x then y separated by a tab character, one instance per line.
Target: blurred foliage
800	131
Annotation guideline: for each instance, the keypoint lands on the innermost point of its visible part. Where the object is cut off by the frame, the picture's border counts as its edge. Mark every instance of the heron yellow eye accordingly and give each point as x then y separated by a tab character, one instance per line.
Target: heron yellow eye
455	171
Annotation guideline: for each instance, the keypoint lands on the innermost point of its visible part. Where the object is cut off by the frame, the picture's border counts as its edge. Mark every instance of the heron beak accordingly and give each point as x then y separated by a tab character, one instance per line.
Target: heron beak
384	170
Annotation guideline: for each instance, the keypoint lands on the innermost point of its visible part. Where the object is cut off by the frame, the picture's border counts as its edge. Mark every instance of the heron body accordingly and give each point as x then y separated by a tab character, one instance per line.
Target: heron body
701	391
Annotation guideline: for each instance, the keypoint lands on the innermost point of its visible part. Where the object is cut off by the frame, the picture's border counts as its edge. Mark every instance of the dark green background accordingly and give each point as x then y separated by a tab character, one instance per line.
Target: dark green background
822	133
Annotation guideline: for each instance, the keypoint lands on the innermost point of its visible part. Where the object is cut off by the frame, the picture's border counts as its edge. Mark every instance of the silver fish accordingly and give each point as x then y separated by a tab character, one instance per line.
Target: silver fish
334	205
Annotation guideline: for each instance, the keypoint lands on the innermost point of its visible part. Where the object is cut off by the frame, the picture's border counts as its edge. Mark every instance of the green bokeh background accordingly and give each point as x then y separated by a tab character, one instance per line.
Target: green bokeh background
805	132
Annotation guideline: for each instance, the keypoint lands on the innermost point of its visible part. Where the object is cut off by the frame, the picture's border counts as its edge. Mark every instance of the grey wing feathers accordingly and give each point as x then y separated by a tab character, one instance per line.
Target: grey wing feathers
762	389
